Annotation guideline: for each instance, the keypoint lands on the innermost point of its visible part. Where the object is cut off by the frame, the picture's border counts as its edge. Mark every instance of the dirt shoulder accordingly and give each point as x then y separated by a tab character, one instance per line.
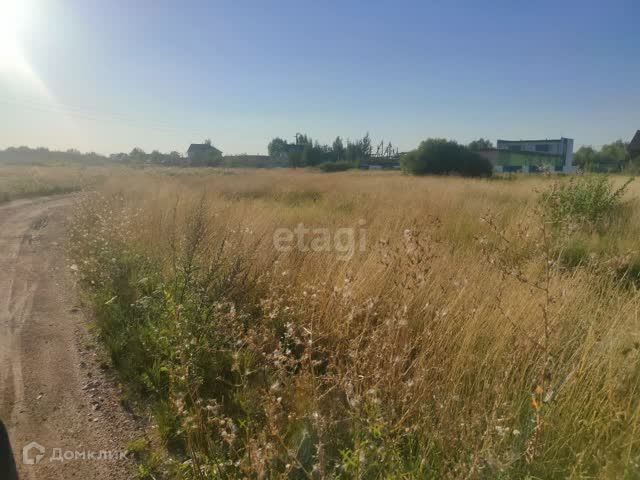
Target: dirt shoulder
52	391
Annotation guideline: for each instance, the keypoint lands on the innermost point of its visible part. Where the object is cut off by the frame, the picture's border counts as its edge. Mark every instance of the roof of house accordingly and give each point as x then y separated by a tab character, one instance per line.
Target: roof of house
201	147
634	145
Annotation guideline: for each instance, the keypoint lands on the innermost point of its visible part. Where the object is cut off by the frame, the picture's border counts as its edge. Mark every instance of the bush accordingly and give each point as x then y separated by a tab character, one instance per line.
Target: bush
443	157
590	203
335	166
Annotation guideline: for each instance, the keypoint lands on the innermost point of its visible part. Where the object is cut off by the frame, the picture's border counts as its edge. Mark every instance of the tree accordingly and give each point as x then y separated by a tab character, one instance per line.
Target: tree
207	141
480	144
278	148
174	158
439	156
303	139
137	155
585	157
365	146
614	154
352	152
388	152
338	149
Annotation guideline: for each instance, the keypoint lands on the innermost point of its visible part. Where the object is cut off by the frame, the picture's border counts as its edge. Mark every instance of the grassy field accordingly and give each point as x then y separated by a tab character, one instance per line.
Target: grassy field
438	328
34	181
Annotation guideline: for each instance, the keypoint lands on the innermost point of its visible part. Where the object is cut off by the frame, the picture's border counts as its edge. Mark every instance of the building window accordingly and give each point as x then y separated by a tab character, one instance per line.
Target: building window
543	147
515	148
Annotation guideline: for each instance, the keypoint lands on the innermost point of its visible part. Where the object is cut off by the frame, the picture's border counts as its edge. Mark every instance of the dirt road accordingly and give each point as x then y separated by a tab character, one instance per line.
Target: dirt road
51	390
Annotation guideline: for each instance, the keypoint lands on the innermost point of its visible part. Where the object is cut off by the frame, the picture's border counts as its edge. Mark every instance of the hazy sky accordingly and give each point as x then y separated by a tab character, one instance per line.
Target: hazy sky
112	75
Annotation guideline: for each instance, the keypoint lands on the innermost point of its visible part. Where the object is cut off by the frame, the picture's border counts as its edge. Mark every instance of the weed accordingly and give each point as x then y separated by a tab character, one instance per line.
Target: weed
589	202
449	348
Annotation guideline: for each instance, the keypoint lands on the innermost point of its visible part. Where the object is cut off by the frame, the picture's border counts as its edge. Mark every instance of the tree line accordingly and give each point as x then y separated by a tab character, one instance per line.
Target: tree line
136	157
611	157
41	155
306	152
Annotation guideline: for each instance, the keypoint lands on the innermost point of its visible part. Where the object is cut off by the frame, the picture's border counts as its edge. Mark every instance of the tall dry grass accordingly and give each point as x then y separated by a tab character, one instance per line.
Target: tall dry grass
33	181
457	344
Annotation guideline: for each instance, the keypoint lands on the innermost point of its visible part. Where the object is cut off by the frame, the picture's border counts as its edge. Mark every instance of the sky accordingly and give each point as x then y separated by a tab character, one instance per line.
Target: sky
111	75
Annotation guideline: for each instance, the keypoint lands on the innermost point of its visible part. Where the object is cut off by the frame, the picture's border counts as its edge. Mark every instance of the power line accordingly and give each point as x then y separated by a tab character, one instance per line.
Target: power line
85	114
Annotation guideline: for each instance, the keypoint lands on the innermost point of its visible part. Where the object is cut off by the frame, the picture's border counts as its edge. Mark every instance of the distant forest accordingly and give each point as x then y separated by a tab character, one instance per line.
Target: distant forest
137	157
41	155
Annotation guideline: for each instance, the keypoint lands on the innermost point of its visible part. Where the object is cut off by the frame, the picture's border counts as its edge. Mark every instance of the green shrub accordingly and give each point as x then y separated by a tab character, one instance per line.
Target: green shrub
589	202
442	157
329	167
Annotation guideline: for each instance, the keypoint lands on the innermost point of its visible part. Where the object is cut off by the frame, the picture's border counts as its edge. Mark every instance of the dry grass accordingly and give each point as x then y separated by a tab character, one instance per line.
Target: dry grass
33	181
455	345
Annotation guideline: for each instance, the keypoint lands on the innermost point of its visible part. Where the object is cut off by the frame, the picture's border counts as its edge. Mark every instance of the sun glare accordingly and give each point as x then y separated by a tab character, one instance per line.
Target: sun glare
13	16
